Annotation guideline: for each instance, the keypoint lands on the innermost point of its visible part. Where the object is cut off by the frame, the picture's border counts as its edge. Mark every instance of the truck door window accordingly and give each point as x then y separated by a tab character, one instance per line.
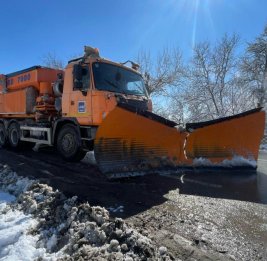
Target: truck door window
85	81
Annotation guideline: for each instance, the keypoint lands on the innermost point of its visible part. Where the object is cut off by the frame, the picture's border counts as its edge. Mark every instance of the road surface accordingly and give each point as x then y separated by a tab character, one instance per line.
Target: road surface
205	216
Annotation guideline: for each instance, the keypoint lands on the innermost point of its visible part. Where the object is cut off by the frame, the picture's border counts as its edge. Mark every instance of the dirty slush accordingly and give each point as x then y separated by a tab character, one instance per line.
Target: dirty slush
75	231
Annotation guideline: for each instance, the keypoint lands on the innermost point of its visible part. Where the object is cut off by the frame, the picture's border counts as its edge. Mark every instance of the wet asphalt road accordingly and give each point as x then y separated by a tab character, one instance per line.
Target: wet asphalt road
134	195
244	184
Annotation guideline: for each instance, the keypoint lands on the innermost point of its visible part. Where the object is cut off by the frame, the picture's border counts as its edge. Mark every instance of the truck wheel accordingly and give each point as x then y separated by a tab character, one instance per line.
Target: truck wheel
69	144
14	135
3	136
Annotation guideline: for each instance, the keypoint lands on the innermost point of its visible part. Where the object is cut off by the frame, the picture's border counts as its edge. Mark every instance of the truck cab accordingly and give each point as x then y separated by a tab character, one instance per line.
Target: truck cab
94	86
91	88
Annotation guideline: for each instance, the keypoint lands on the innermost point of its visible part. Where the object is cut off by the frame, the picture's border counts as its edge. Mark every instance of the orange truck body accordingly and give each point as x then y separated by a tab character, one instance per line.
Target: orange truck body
98	103
19	90
37	80
68	109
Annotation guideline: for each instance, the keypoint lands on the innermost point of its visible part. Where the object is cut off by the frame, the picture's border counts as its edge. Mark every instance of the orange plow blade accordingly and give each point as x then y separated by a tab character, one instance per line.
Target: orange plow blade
130	142
127	142
222	139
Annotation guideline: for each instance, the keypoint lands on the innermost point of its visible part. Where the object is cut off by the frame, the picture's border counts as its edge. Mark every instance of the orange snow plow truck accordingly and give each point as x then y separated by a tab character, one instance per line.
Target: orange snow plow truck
96	104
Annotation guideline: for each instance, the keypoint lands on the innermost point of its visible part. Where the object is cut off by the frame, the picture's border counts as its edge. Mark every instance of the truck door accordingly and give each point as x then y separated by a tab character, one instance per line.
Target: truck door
80	99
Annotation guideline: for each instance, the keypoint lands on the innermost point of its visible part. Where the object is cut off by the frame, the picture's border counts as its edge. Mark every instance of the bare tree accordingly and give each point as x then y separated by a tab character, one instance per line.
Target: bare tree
165	72
254	67
52	61
215	87
164	78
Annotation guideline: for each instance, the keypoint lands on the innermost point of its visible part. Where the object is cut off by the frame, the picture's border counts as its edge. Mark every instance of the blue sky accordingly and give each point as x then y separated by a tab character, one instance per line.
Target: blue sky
32	28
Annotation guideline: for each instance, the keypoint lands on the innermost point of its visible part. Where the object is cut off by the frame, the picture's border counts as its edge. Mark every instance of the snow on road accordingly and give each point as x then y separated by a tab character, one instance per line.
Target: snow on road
236	161
15	242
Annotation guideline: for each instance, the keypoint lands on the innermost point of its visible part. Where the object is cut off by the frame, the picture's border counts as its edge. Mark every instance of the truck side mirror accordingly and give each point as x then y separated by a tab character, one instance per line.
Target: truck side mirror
77	76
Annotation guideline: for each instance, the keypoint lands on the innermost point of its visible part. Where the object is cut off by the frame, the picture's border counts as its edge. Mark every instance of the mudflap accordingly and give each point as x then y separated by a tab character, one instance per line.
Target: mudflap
130	143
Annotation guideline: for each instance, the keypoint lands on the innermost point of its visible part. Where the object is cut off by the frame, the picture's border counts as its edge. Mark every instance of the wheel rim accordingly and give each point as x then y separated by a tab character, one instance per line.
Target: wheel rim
68	143
14	136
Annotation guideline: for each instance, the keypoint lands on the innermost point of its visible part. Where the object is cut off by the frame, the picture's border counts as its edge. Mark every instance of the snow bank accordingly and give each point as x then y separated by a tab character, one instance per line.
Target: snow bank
6	198
60	228
15	241
236	161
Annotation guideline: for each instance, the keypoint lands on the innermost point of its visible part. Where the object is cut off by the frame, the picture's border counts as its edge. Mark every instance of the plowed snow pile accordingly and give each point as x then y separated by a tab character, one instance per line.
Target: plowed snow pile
40	223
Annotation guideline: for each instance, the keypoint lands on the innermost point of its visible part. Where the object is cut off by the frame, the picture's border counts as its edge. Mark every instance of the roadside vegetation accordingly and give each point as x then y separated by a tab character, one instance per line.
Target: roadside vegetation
220	79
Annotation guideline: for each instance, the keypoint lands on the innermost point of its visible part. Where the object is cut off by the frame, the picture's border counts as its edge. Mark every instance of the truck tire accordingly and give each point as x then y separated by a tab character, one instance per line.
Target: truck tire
69	143
14	135
3	136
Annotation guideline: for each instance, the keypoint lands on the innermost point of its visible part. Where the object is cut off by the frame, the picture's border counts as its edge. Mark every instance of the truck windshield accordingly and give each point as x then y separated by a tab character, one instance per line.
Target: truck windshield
113	78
